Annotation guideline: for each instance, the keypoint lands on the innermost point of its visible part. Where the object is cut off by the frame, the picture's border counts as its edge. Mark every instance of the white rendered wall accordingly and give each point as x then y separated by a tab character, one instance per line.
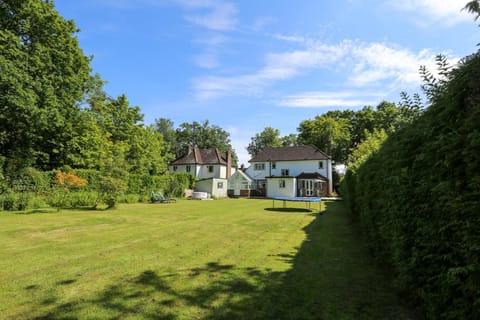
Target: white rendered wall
295	168
274	190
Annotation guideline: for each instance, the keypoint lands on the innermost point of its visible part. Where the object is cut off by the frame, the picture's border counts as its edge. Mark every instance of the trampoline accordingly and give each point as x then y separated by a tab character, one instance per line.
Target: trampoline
308	201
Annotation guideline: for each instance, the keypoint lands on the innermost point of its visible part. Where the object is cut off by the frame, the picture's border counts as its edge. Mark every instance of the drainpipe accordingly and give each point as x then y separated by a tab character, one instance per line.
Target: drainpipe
329	176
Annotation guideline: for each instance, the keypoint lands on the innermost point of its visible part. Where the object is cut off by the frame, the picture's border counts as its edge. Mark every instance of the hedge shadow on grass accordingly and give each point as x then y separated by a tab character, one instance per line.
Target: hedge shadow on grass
330	278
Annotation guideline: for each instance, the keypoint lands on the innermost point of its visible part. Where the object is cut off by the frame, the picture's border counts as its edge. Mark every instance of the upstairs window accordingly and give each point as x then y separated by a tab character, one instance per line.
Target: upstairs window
189	168
175	168
320	165
210	168
274	165
285	172
259	166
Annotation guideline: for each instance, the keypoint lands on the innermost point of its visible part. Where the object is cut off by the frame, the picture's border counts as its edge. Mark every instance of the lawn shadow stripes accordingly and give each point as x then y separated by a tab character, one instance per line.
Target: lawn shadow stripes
328	276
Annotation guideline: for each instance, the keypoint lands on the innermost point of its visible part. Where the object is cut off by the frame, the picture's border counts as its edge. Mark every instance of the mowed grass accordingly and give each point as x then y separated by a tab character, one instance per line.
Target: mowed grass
225	259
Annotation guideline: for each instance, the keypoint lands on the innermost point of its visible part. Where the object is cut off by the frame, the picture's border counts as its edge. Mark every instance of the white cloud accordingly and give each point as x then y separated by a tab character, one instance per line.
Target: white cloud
212	45
278	66
369	66
446	12
289	38
377	63
215	15
329	99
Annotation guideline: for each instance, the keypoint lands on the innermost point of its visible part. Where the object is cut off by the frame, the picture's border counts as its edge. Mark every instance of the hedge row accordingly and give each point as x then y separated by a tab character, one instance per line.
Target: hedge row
32	189
418	201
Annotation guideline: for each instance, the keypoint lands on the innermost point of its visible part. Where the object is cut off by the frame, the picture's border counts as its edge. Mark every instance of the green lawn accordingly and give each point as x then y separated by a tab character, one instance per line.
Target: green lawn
225	259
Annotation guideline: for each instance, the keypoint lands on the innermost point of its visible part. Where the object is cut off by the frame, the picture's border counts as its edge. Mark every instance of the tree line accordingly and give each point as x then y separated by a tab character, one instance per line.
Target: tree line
340	132
56	115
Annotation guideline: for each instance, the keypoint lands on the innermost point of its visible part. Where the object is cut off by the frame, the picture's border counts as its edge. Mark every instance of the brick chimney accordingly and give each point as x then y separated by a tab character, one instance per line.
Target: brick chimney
229	163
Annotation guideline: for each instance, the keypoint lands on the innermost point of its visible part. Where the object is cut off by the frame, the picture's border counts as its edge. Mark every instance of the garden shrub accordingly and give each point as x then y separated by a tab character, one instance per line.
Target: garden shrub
9	201
129	198
20	201
30	180
91	176
418	200
178	182
63	184
109	189
81	199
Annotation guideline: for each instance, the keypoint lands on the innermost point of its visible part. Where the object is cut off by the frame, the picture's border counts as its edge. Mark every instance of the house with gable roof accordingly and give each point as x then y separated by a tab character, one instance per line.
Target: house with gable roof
211	166
298	171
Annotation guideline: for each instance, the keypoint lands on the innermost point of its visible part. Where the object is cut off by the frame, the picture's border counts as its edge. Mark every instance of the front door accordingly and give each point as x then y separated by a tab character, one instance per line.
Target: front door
309	188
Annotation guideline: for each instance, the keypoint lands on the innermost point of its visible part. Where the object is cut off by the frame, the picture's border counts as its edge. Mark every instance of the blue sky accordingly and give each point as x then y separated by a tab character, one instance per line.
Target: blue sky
245	65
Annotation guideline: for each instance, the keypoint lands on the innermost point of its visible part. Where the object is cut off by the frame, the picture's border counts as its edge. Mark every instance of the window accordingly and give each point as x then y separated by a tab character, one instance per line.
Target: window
320	165
261	184
274	165
285	172
189	168
259	166
281	184
210	168
220	185
175	168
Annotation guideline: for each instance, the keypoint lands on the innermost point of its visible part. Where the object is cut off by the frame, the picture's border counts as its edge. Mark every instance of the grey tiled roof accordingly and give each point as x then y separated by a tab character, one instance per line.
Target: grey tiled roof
202	156
311	176
290	154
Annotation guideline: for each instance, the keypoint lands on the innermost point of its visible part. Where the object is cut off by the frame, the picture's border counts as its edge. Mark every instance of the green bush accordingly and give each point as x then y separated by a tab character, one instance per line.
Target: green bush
109	189
417	199
178	182
20	201
81	199
30	180
92	177
129	198
9	201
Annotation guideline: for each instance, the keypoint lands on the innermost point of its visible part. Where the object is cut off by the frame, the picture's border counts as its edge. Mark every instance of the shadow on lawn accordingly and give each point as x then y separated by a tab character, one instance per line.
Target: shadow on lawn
325	282
302	210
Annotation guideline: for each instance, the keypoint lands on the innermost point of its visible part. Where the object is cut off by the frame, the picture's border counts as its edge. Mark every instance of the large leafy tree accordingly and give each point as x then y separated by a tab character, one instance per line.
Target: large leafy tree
166	128
341	132
43	76
329	134
202	135
129	146
269	137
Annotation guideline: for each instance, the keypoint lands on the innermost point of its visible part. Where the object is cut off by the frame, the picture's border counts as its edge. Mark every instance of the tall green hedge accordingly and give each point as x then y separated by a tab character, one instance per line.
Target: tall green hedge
32	188
418	200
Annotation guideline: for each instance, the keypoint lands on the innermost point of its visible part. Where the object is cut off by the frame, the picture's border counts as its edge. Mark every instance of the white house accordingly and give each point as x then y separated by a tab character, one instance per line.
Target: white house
292	171
210	166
